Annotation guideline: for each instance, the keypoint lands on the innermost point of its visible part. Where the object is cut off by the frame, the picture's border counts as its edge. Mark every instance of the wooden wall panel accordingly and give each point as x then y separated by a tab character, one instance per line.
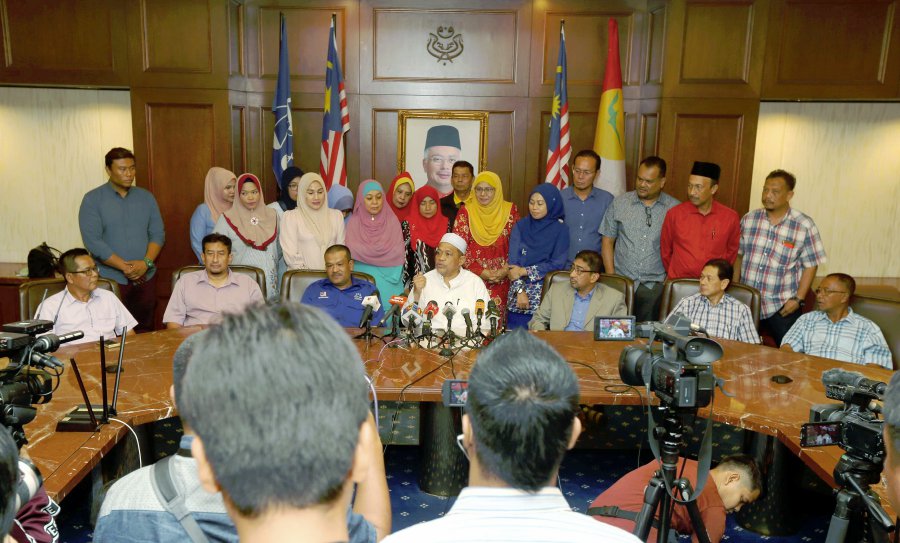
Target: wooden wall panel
821	49
715	49
90	52
720	131
656	40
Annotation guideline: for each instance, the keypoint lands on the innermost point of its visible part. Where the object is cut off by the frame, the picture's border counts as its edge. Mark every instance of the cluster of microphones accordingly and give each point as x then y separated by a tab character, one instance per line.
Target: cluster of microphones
406	313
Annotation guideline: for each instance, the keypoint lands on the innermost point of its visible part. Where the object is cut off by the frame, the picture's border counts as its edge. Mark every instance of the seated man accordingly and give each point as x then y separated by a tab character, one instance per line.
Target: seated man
735	482
341	295
203	296
573	307
83	306
835	331
132	510
449	282
520	418
720	314
285	462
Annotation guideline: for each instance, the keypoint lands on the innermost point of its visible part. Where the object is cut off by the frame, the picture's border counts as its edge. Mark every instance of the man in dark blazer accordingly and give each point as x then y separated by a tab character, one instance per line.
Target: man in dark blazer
573	306
463	174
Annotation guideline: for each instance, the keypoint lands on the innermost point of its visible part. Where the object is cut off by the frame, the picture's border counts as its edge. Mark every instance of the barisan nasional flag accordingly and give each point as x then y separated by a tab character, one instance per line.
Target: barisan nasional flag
283	138
336	121
559	150
609	140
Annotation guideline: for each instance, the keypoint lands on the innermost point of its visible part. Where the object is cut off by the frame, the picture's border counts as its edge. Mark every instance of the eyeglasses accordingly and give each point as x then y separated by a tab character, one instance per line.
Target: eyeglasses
578	270
293	186
485	190
578	171
649	216
828	292
88	271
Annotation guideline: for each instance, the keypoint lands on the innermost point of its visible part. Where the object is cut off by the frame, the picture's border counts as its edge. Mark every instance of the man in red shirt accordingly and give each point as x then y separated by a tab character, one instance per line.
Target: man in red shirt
701	229
735	482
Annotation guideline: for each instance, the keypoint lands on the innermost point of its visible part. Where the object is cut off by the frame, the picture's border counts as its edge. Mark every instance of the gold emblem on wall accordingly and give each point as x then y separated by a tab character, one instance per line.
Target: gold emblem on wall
444	44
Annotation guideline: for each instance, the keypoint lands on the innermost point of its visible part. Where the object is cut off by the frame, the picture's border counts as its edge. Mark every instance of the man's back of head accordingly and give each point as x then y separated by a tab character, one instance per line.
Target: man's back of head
522	405
276	396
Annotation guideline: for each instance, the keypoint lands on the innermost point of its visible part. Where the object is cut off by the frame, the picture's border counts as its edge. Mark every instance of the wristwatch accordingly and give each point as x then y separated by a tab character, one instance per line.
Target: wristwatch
799	300
149	263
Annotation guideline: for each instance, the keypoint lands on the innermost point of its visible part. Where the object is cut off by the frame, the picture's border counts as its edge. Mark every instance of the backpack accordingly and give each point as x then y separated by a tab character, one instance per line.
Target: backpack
42	262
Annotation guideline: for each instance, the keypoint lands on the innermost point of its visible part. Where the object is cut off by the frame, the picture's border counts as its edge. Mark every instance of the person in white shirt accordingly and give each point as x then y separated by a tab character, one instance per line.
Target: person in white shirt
520	418
81	305
449	282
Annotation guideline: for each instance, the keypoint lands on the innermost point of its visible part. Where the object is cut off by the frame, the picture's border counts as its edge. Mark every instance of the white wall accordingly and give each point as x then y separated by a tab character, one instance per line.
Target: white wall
846	157
52	143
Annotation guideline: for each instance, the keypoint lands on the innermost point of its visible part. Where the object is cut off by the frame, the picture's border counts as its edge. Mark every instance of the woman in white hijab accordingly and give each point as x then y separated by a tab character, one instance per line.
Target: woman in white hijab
311	227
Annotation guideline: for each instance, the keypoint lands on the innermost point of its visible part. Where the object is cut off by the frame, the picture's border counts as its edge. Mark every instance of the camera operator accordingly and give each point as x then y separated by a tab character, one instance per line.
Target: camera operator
891	411
735	482
32	522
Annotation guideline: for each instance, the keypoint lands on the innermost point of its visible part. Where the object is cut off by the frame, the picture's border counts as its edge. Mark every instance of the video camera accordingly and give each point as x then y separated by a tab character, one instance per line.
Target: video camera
852	424
680	371
24	382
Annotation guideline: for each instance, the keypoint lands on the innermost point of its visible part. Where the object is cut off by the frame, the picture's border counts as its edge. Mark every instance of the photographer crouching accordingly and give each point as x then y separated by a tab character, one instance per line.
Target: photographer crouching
26	511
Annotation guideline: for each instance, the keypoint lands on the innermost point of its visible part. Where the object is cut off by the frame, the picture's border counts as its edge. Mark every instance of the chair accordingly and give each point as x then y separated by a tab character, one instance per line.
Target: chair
676	290
612	280
254	273
884	313
295	282
32	292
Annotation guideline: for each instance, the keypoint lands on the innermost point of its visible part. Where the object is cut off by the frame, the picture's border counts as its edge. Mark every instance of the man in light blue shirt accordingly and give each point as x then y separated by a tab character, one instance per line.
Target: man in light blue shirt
585	205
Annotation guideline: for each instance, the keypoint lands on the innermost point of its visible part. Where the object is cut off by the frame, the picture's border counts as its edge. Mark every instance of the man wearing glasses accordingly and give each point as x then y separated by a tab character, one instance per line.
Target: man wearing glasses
631	231
584	204
573	306
83	306
835	331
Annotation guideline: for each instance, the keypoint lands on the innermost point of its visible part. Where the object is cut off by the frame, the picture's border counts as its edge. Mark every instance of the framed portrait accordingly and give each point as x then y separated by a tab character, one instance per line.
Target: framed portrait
430	141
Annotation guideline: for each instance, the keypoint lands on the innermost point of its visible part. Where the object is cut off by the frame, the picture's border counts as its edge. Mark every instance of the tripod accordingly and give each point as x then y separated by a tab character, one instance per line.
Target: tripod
670	437
858	502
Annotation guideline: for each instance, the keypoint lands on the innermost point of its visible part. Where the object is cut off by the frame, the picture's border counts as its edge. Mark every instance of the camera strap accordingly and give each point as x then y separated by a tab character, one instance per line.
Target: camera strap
172	501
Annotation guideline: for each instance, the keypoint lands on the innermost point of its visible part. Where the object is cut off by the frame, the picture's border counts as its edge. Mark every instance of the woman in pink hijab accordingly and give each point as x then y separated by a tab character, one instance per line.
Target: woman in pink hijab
218	197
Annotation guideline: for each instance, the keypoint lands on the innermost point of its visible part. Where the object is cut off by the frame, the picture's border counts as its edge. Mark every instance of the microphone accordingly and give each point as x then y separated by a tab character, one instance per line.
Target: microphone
397	303
370	305
839	377
467	317
411	316
479	311
51	342
448	312
493	314
431	310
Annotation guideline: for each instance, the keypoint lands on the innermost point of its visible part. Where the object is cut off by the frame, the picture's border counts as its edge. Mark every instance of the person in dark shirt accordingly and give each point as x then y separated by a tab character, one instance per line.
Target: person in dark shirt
461	179
341	295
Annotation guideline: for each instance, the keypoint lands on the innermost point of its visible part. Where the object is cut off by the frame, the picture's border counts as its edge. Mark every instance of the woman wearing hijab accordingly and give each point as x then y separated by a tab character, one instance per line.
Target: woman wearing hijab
422	232
375	240
401	191
287	191
253	229
311	227
341	199
538	245
218	196
485	224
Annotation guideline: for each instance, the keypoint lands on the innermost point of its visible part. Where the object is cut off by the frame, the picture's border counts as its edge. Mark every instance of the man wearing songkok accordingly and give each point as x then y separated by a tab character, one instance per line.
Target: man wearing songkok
123	229
781	250
202	296
521	416
732	484
631	229
572	306
461	179
584	204
341	295
449	282
292	477
442	150
700	229
835	330
81	305
720	314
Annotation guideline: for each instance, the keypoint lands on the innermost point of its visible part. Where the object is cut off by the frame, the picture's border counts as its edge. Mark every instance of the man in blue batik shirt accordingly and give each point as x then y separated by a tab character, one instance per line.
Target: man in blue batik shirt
585	205
341	295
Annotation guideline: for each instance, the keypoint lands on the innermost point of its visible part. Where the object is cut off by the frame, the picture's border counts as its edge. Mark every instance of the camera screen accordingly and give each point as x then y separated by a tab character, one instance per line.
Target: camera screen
614	328
455	392
819	434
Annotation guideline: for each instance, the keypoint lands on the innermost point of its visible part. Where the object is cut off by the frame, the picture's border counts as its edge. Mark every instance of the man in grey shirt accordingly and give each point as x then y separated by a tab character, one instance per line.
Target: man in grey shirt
631	230
122	228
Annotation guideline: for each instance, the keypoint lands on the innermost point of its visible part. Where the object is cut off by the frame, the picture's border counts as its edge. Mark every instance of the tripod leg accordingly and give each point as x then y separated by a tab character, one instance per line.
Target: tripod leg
652	496
840	520
685	491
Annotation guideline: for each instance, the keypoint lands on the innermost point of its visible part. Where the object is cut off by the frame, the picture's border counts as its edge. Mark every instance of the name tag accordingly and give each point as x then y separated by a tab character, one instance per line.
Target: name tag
323	295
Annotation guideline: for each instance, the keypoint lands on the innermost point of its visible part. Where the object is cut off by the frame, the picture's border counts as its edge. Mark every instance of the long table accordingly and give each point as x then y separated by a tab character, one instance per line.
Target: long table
416	374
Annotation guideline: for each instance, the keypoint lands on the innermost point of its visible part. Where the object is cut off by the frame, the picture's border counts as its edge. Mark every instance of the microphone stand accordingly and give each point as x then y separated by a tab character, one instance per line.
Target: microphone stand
367	334
448	340
395	330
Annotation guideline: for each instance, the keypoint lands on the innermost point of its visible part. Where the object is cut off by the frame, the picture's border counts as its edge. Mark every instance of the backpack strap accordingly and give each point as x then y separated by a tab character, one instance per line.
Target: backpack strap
172	501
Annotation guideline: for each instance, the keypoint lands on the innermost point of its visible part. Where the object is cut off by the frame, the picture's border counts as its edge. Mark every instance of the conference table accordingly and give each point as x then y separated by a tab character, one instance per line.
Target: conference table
415	374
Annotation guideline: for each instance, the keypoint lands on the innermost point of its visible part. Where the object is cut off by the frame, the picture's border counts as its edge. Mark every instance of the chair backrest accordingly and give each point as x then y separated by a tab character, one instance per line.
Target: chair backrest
677	289
295	282
612	280
252	272
884	313
32	292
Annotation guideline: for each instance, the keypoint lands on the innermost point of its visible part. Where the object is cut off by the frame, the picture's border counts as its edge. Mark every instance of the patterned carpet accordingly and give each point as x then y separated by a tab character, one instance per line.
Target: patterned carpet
607	450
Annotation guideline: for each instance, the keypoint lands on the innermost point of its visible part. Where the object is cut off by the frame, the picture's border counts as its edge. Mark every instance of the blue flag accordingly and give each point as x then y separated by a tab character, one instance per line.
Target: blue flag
283	139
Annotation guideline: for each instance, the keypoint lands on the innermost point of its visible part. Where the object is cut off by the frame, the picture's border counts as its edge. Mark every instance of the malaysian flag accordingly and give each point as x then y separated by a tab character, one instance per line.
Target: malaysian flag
336	122
558	149
283	138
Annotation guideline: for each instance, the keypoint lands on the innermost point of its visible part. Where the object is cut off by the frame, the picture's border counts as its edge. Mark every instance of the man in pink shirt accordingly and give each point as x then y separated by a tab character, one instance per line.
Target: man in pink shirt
201	297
